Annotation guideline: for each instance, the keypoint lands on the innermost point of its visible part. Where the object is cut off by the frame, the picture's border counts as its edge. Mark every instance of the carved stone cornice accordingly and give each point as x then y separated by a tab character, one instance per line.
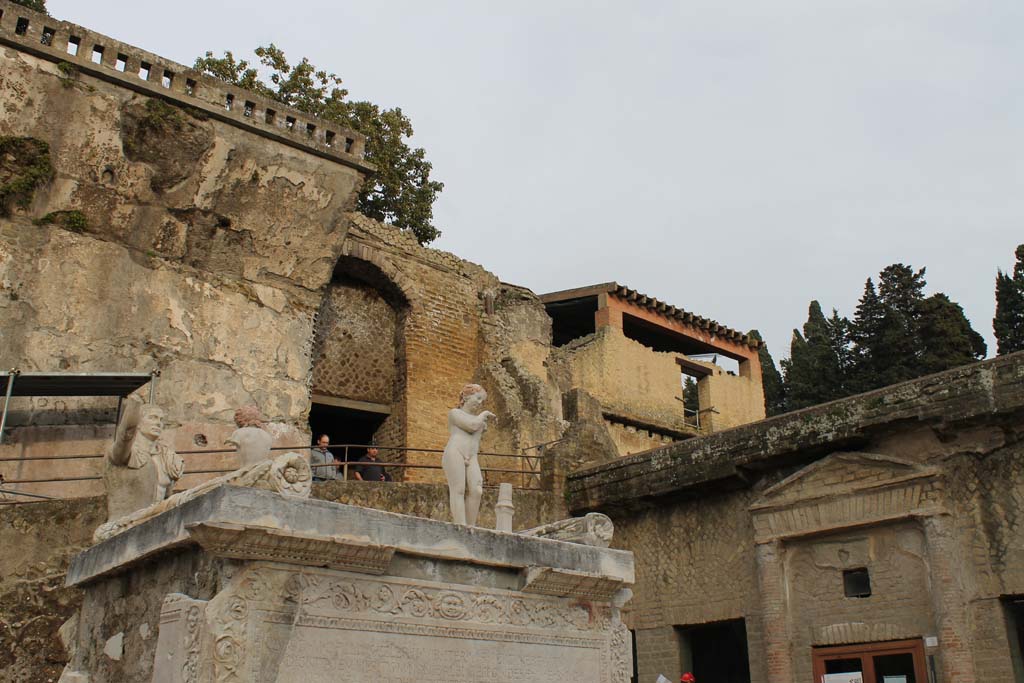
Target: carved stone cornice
245	542
565	582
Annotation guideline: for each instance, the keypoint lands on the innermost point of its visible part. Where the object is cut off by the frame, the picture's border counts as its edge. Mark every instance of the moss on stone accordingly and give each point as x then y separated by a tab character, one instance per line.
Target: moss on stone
24	166
74	221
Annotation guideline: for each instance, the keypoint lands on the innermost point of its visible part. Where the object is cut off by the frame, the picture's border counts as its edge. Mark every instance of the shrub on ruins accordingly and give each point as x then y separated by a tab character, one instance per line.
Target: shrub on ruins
37	5
401	192
24	166
1008	324
771	379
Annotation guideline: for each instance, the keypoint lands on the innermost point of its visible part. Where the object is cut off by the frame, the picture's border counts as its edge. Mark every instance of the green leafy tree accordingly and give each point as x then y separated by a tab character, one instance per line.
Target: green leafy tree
813	373
771	379
401	192
37	5
1008	324
885	329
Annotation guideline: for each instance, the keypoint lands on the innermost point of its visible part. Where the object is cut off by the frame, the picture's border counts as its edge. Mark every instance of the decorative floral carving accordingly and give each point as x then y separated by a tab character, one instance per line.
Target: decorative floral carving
456	606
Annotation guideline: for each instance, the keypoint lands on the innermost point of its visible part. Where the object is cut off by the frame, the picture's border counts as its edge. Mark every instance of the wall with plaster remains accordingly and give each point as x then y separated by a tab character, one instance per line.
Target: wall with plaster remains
204	246
921	483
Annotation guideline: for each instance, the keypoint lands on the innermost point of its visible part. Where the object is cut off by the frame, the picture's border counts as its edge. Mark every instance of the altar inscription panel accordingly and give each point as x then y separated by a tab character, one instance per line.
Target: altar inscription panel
287	625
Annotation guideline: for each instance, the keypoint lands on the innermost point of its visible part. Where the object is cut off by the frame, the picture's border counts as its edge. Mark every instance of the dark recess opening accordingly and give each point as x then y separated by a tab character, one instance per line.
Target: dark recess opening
718	651
1014	611
660	339
344	426
572	319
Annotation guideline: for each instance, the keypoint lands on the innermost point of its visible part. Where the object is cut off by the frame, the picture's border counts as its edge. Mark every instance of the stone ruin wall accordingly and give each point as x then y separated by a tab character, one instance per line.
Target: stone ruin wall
209	239
460	324
206	243
697	553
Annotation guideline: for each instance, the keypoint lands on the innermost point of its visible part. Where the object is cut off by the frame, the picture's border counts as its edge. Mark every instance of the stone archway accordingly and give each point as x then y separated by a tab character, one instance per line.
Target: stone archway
358	386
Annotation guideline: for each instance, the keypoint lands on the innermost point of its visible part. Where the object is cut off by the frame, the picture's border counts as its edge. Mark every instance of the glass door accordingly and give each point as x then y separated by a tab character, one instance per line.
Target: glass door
900	661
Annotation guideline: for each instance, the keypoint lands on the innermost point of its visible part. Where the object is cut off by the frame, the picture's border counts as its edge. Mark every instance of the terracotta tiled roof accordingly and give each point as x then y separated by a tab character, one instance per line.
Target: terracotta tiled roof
649	302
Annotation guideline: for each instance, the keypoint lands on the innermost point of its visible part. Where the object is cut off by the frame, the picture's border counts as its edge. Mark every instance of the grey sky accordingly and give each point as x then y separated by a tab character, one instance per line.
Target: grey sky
734	159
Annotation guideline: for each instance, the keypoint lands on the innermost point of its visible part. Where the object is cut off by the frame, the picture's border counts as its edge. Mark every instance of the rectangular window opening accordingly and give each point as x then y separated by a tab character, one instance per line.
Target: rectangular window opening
310	129
857	583
269	116
250	107
289	122
190	86
121	63
97	54
329	138
48	34
73	44
229	102
349	144
167	80
21	28
144	69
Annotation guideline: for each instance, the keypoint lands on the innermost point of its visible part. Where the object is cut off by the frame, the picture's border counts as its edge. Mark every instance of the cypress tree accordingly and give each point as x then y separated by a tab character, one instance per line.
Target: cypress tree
771	379
813	373
1008	324
866	333
947	339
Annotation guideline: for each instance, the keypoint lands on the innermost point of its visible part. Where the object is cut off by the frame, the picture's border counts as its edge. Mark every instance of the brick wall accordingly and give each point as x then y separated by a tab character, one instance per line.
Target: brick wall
354	353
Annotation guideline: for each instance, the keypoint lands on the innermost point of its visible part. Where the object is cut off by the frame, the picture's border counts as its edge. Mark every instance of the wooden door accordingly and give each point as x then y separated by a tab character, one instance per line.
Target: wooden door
898	661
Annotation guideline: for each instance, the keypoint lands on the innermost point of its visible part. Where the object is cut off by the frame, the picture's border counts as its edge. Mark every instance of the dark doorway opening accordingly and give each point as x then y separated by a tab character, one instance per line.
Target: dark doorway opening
1014	610
344	426
716	652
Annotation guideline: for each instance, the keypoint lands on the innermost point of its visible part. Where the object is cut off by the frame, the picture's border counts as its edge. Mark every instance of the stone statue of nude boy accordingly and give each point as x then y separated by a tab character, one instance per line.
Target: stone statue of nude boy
140	469
466	424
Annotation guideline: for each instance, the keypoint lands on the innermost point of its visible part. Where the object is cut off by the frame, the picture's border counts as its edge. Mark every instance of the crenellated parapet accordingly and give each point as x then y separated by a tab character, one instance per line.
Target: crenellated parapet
111	60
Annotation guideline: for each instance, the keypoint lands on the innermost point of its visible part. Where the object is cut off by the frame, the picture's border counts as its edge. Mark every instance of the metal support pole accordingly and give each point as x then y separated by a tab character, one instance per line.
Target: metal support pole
7	401
152	384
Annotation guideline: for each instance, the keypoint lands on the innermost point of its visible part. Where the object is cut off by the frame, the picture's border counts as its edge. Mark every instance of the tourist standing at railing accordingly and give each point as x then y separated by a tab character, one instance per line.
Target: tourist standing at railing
369	468
319	455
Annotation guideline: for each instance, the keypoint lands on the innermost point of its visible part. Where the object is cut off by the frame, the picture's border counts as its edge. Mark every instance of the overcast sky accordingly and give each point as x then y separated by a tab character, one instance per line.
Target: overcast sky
735	159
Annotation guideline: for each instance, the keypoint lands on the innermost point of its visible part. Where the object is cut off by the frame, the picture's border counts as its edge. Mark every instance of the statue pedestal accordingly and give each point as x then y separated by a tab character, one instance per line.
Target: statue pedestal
243	585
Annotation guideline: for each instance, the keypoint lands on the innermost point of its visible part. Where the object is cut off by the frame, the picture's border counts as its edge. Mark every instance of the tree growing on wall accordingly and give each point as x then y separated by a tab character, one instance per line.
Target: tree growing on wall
771	379
1008	324
37	5
401	192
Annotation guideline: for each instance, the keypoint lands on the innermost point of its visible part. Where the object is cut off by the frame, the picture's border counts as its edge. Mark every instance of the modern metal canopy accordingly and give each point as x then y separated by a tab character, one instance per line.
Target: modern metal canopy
120	384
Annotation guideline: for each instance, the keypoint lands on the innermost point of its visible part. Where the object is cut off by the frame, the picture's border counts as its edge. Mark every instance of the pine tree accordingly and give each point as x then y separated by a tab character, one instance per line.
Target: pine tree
813	373
771	379
947	339
1008	324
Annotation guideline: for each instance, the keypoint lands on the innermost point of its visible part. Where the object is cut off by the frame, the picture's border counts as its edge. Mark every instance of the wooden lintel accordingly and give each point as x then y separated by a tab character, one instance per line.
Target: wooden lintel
365	406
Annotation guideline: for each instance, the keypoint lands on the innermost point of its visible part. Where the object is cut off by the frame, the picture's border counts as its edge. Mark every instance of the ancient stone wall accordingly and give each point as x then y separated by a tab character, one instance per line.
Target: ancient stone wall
460	324
38	542
354	356
165	233
760	524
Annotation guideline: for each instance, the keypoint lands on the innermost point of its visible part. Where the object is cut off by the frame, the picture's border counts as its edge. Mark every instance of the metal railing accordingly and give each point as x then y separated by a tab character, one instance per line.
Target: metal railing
525	476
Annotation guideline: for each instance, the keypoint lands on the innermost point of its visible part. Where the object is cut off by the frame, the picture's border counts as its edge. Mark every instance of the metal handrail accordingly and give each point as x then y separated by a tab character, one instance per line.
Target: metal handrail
531	471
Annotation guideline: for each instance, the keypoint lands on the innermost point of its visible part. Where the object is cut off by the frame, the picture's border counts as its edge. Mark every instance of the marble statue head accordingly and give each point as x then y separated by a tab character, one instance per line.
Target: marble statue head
472	397
151	422
248	416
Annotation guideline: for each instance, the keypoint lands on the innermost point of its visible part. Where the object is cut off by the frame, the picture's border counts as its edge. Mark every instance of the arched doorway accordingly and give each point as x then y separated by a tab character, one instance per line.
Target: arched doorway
358	384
